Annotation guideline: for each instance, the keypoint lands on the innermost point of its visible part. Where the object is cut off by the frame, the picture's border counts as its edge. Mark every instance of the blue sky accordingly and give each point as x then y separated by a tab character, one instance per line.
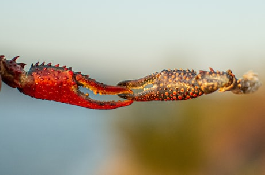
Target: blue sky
134	33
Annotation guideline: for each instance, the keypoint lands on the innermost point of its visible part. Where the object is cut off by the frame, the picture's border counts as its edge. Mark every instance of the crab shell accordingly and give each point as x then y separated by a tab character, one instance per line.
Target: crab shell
182	84
58	84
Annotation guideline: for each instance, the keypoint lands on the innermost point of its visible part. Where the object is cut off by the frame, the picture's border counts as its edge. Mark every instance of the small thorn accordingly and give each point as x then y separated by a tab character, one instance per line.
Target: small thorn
64	66
57	65
15	58
22	65
42	64
37	64
49	64
32	65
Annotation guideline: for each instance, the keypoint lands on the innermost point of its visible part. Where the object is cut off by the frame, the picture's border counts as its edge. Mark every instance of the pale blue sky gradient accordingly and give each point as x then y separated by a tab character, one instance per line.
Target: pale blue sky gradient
134	34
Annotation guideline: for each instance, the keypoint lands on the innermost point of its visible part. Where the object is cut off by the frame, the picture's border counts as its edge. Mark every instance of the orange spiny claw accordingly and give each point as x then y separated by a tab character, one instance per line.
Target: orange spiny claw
59	84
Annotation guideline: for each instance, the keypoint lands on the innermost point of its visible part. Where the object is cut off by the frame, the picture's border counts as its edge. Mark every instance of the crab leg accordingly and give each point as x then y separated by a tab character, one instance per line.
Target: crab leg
248	84
167	85
99	88
102	89
187	84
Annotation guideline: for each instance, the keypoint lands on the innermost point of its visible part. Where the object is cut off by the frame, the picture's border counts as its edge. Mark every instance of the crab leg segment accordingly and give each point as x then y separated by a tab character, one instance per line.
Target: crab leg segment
100	88
187	84
210	81
248	84
167	85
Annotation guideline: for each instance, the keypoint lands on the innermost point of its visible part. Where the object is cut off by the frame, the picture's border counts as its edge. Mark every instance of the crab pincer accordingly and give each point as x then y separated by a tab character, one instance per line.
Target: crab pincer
182	84
60	84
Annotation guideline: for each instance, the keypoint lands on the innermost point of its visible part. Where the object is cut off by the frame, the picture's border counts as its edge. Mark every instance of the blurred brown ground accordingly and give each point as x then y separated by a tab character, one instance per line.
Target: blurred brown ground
217	134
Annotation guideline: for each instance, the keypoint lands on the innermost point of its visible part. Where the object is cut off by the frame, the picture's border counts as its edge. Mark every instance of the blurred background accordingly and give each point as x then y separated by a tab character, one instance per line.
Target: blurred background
221	133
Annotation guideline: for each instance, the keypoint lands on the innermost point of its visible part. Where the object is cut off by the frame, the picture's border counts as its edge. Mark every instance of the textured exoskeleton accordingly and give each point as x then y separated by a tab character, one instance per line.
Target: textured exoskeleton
187	84
59	84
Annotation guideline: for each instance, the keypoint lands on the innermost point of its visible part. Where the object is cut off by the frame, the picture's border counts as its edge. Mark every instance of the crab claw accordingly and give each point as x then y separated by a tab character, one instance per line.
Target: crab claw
140	84
61	84
58	84
186	84
101	89
167	85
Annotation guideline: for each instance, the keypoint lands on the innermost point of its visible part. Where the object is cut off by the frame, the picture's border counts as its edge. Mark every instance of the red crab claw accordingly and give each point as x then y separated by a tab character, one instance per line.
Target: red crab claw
59	84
